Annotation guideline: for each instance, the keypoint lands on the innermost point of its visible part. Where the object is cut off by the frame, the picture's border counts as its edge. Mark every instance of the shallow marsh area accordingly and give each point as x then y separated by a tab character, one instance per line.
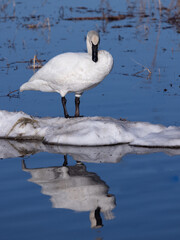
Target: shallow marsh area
133	193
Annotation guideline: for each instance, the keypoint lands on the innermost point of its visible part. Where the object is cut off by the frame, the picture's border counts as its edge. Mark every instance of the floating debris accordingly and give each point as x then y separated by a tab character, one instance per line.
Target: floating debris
122	26
103	17
13	94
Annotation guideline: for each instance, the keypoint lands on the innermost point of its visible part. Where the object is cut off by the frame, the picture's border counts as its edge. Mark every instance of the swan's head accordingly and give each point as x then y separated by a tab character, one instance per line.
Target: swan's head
92	44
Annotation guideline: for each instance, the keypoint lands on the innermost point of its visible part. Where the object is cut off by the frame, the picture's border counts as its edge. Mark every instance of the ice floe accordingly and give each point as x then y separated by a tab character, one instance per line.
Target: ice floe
86	131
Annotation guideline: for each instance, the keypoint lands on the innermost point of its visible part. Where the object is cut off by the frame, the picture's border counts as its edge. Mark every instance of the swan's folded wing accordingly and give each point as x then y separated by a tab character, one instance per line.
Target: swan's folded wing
67	66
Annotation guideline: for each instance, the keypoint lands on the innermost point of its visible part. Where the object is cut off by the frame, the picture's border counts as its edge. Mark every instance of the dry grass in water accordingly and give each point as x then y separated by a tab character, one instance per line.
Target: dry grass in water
144	69
45	24
35	63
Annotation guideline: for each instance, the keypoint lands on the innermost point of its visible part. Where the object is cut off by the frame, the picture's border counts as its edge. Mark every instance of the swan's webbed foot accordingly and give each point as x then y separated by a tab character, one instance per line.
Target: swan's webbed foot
74	116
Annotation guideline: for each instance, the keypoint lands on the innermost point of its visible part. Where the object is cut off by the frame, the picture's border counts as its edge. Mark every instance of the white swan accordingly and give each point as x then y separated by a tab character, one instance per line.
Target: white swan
73	72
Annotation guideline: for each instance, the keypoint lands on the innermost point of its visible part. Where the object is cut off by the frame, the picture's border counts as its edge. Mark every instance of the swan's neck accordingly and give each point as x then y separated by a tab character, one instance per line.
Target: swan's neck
92	50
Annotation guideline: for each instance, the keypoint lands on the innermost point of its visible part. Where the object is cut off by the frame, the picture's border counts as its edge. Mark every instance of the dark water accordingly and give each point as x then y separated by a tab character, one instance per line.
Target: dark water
129	193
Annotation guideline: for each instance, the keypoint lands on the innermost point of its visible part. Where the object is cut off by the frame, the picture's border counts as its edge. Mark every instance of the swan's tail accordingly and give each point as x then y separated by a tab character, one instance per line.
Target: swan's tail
24	87
36	85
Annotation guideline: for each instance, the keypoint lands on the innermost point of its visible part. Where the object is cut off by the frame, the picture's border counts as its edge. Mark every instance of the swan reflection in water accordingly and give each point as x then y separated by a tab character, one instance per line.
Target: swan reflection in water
73	187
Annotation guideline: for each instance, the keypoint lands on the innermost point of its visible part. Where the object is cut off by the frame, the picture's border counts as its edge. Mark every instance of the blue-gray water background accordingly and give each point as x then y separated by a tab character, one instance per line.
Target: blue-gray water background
144	85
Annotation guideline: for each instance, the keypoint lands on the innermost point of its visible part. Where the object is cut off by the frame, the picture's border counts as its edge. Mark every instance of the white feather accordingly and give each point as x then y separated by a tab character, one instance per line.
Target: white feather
71	72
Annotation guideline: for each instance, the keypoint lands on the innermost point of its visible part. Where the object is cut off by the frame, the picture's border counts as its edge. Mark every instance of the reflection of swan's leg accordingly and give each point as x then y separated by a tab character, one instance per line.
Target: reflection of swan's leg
23	165
95	218
65	163
98	217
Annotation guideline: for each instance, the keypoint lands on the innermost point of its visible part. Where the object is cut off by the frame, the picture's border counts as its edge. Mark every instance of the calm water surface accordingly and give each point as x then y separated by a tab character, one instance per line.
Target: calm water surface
102	193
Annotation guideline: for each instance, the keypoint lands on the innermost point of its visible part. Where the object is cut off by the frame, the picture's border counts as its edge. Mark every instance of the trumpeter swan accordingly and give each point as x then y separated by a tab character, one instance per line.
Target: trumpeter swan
73	72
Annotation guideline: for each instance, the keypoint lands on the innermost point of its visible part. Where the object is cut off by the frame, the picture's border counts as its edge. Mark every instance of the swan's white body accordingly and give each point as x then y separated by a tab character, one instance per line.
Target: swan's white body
70	72
73	72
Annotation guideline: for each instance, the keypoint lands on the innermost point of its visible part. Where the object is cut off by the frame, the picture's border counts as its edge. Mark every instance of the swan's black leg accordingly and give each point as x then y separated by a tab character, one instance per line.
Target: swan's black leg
63	100
77	102
65	161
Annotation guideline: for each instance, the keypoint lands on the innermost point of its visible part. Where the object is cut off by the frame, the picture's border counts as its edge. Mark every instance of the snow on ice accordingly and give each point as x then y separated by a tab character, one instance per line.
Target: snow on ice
86	131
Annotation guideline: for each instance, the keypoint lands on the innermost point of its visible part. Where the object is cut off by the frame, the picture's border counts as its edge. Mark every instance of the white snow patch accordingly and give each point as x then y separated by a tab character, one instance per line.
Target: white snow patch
87	131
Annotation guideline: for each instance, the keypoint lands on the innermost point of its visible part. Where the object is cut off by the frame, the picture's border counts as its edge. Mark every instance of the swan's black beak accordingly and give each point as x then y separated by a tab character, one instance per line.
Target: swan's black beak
94	52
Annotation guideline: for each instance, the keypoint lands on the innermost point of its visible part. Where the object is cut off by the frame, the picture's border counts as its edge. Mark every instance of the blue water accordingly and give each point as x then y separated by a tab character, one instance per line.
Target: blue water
144	187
